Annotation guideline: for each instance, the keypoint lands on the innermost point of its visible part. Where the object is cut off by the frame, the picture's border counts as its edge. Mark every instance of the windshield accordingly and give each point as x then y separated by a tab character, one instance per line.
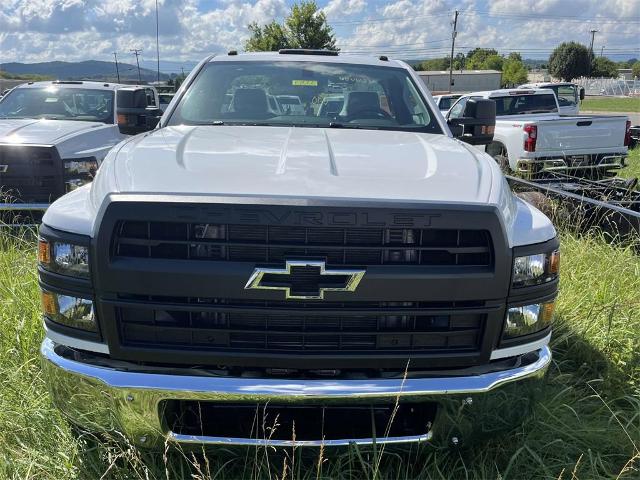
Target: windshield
523	104
446	102
305	94
59	104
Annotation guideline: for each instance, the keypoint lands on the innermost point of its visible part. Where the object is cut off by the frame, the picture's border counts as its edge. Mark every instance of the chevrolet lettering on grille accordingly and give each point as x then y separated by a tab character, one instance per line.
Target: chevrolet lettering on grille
305	279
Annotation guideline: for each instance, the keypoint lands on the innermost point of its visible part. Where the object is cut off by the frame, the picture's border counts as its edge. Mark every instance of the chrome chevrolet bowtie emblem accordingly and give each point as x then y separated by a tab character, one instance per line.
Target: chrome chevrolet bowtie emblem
304	279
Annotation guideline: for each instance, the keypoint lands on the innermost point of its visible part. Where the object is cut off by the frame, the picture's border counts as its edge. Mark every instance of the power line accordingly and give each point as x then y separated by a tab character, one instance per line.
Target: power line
359	44
497	14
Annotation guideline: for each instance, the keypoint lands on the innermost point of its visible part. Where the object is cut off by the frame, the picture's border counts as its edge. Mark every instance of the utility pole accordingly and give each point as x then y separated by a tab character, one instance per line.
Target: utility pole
453	43
158	41
602	50
115	56
137	52
593	34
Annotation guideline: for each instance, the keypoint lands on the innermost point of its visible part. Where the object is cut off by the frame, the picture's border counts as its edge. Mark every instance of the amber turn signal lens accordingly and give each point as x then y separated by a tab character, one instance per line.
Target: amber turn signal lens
49	303
554	262
547	313
44	252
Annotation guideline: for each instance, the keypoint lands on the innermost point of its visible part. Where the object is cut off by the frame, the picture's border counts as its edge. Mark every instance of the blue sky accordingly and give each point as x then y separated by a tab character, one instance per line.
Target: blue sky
41	30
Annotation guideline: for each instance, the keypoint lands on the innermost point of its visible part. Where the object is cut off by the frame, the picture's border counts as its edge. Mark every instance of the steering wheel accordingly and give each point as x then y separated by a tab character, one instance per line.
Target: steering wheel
376	113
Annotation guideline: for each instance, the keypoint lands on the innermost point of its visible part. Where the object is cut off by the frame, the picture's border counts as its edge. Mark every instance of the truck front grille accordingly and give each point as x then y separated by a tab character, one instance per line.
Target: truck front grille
272	327
173	283
274	244
30	173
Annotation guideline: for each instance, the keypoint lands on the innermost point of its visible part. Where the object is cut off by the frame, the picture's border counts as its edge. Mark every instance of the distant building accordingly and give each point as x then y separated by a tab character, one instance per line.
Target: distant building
463	80
625	73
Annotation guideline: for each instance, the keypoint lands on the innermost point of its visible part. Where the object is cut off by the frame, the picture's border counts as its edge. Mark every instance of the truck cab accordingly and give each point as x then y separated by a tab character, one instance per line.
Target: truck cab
359	274
569	95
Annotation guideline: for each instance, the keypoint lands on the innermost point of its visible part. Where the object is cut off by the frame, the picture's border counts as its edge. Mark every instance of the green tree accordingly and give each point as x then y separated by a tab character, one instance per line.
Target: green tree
603	67
514	71
635	70
459	61
492	62
305	27
477	56
434	64
269	38
569	60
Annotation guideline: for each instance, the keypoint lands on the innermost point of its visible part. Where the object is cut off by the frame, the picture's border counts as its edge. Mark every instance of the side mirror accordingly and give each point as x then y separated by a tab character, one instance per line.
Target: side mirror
477	123
581	93
132	121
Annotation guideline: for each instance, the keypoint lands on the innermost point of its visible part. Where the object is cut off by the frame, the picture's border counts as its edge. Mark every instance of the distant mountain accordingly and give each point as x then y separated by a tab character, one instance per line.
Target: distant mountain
88	70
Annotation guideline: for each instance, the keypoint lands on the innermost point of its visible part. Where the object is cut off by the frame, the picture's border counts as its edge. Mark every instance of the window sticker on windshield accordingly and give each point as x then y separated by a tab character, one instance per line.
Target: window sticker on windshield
304	83
51	100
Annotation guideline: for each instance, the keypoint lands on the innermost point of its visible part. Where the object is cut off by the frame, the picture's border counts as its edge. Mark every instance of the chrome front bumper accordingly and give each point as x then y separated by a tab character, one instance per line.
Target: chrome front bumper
101	398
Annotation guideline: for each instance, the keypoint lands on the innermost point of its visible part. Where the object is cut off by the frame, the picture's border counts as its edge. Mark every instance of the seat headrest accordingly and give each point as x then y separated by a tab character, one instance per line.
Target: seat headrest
358	101
250	100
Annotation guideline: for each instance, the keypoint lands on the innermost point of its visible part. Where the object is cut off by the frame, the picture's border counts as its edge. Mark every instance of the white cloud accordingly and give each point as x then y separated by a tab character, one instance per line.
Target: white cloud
337	9
39	30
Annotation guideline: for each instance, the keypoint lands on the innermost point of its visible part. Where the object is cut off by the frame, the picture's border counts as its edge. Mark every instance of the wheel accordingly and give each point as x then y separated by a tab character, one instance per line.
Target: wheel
499	153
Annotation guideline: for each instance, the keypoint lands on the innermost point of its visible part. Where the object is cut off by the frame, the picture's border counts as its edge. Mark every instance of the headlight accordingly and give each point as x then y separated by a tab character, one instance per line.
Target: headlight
64	258
528	319
79	172
69	311
536	269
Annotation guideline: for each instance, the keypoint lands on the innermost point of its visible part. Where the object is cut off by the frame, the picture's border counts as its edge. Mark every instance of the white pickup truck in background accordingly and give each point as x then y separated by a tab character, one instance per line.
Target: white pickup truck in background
54	134
532	138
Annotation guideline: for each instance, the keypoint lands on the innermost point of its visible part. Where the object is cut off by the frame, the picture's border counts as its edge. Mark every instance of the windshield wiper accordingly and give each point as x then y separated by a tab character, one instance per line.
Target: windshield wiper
348	125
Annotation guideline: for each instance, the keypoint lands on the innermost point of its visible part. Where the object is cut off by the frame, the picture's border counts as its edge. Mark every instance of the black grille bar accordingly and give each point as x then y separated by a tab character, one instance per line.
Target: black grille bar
268	244
192	326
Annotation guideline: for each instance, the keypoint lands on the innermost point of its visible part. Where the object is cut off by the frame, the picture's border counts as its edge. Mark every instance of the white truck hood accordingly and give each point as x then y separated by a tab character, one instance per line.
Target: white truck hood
388	166
306	162
41	132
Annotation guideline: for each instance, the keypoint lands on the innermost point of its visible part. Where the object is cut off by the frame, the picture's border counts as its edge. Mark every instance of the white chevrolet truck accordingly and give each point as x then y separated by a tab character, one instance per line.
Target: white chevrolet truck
532	139
54	134
355	276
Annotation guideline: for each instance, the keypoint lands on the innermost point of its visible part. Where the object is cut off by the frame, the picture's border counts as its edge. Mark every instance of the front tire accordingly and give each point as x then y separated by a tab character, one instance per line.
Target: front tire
500	155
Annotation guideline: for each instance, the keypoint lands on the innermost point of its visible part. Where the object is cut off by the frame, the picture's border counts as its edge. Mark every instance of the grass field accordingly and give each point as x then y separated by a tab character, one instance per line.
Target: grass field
611	104
632	170
587	425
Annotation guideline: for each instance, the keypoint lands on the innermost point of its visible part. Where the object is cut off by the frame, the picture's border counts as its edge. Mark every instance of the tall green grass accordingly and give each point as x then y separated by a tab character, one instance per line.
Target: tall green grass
611	104
632	170
586	426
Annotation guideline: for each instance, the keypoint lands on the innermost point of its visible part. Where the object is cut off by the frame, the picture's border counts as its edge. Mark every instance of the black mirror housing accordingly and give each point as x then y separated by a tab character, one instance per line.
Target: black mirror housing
477	124
132	121
581	93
